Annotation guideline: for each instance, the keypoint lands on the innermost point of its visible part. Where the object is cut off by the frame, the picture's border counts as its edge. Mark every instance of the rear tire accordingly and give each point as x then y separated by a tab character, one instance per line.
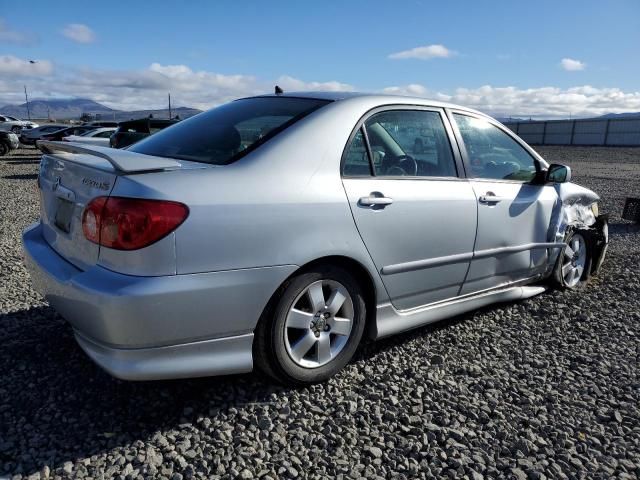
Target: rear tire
312	328
573	266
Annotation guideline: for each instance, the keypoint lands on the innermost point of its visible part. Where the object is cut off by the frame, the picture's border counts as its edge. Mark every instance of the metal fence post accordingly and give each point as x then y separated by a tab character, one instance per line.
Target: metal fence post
573	131
606	131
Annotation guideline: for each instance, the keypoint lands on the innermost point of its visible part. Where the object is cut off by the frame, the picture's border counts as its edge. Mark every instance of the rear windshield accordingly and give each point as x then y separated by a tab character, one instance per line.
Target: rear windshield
226	133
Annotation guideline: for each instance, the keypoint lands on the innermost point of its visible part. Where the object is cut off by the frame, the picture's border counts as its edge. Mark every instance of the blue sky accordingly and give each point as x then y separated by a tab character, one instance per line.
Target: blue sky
538	58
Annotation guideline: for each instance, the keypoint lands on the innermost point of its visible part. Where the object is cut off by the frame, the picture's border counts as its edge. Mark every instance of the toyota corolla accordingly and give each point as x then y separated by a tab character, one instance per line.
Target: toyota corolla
279	231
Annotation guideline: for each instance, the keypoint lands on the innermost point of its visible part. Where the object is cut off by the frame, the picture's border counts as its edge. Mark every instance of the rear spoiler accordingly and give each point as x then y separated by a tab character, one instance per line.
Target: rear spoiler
122	160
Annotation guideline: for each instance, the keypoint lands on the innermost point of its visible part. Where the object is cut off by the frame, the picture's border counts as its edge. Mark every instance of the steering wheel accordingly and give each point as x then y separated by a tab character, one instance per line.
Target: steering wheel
407	164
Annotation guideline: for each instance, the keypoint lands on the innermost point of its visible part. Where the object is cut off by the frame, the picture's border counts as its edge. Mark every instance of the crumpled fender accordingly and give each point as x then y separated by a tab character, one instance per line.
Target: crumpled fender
573	210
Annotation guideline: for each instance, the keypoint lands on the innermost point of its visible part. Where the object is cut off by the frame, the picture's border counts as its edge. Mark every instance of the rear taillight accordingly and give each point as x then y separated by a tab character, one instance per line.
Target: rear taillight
130	223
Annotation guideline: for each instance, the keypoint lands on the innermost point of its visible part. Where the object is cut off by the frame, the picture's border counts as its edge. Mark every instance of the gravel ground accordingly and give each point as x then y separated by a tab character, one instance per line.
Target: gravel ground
544	388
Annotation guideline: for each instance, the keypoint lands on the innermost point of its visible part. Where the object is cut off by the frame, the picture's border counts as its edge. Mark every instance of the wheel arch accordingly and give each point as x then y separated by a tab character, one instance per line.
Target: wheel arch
353	266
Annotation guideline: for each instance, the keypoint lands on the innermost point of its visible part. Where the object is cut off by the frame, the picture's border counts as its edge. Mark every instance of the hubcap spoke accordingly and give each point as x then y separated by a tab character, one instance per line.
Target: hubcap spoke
566	269
579	270
341	326
324	348
335	301
316	296
299	319
302	347
575	245
568	252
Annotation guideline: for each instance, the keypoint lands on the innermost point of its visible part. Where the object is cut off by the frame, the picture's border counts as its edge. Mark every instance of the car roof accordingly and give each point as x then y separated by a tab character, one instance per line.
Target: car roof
381	99
148	121
103	129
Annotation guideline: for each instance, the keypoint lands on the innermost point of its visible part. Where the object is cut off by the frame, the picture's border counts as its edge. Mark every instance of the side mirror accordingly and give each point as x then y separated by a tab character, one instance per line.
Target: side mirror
558	173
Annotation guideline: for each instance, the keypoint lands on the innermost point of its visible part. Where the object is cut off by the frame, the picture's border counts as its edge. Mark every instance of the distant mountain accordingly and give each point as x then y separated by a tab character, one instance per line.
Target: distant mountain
621	115
73	108
59	109
511	119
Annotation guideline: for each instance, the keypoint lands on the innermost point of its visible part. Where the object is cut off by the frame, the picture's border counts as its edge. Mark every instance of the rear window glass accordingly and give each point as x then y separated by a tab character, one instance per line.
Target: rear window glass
226	133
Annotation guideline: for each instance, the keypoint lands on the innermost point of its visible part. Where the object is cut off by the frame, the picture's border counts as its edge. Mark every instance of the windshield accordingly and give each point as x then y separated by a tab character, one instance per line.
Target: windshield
226	133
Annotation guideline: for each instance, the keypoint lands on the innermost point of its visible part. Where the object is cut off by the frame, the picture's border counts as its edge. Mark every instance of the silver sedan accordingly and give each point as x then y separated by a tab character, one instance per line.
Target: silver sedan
280	230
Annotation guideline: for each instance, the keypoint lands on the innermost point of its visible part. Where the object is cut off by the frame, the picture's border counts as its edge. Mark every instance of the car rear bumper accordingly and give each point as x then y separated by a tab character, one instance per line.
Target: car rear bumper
156	327
220	356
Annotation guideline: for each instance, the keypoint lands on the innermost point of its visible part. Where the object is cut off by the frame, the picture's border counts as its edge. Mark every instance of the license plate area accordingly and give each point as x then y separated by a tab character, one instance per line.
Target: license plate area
64	212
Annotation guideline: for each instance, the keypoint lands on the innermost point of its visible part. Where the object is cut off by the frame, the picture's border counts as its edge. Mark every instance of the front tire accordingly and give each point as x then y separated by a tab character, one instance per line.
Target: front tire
4	148
313	328
574	263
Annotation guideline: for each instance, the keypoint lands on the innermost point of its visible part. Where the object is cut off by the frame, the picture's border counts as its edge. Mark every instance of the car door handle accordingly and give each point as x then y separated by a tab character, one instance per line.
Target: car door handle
375	201
489	198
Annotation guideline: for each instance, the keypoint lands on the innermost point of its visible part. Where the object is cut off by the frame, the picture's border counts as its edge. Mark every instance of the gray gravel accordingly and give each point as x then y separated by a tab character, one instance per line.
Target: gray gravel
544	388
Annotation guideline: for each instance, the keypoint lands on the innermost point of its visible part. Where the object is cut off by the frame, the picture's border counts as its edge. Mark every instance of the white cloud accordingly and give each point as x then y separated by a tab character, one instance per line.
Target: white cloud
7	35
412	89
582	101
571	65
79	33
11	66
147	88
425	52
293	84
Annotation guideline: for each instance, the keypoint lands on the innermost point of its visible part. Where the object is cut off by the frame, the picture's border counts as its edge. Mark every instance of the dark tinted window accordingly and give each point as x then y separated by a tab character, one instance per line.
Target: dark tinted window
492	153
356	161
226	133
106	134
410	143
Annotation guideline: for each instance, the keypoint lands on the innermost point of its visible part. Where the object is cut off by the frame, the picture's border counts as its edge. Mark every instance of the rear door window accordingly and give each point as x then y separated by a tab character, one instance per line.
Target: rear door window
402	143
227	133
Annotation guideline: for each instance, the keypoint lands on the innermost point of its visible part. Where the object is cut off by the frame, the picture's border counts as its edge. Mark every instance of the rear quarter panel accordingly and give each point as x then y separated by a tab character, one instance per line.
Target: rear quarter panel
283	204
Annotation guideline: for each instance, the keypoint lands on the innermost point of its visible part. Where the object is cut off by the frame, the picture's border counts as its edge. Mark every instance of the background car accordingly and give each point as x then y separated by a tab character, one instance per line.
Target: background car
278	231
28	136
102	123
75	130
134	130
12	124
8	141
99	136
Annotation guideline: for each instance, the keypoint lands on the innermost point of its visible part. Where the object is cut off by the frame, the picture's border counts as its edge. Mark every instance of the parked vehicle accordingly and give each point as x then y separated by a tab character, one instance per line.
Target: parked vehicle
8	141
277	231
12	124
102	123
29	136
135	130
76	130
99	136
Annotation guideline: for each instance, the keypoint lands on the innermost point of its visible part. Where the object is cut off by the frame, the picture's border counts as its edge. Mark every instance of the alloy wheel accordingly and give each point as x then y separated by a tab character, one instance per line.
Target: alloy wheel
319	323
574	260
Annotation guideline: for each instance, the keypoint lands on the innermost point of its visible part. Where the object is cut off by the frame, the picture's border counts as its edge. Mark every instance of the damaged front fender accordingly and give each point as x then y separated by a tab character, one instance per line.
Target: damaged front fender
574	209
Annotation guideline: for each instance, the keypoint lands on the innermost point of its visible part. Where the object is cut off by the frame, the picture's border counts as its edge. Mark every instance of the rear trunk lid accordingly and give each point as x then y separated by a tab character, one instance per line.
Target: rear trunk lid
65	189
70	177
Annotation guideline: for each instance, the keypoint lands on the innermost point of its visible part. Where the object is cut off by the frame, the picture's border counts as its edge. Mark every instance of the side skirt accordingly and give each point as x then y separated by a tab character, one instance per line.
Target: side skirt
390	321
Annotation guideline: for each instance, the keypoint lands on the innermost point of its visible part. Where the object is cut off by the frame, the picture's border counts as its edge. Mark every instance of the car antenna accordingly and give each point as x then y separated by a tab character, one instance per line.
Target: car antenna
279	91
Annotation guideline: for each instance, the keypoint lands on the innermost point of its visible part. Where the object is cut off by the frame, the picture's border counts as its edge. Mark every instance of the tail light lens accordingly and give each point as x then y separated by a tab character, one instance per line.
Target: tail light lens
130	223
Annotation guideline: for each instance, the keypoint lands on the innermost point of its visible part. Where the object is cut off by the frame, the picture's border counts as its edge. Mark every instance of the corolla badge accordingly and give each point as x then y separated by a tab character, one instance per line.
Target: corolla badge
96	183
